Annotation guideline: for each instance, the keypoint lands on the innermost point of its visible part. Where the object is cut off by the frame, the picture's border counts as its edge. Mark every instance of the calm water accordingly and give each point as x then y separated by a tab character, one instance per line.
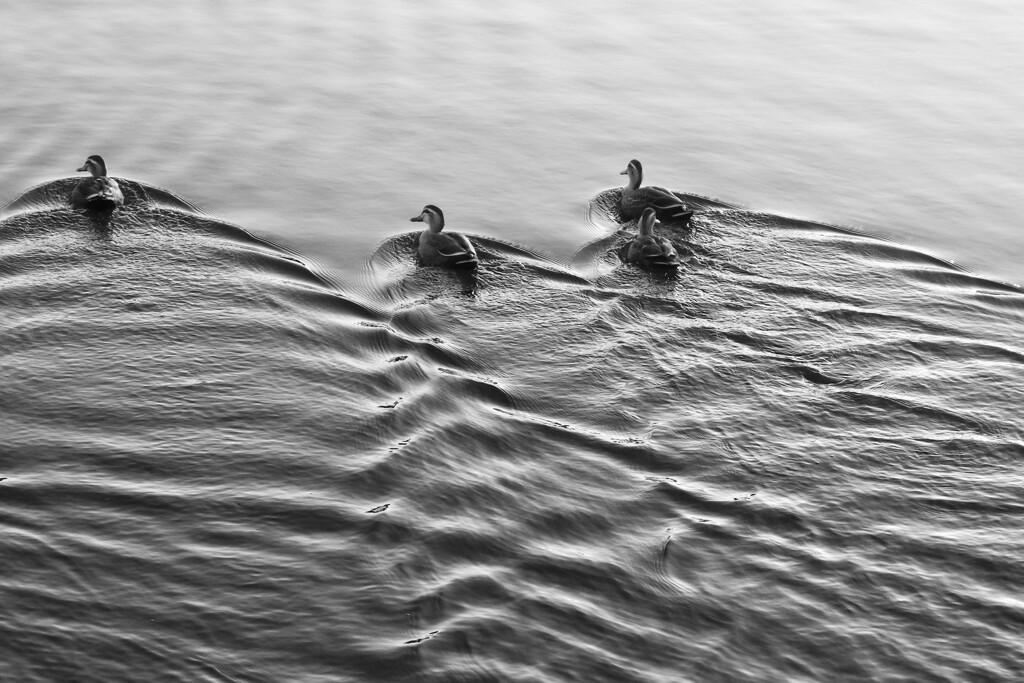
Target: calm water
287	453
329	127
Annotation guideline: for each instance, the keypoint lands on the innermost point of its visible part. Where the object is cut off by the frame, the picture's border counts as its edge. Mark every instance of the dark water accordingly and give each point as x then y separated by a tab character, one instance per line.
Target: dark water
797	460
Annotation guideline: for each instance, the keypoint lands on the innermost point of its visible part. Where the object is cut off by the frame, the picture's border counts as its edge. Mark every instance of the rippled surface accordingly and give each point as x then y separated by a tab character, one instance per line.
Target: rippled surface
285	452
796	460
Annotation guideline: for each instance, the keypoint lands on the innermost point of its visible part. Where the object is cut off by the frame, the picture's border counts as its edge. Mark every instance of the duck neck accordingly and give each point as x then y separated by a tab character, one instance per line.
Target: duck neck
635	178
647	227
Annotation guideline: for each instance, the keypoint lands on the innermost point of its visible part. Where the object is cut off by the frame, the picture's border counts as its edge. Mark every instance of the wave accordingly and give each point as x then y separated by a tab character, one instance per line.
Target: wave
221	461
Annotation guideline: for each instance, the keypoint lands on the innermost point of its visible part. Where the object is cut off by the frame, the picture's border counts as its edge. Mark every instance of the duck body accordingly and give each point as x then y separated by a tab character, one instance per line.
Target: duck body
448	249
98	192
649	250
652	252
635	199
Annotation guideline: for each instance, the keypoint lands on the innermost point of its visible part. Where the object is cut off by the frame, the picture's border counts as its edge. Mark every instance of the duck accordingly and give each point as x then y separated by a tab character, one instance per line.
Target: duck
98	191
635	199
448	249
648	250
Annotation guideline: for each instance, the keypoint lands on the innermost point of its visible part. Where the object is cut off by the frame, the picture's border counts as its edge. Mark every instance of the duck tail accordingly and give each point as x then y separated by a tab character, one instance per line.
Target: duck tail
104	194
671	209
100	202
676	214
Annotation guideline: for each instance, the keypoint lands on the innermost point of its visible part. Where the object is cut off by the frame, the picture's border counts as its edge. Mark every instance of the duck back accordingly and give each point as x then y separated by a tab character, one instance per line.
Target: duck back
99	194
449	249
668	207
652	252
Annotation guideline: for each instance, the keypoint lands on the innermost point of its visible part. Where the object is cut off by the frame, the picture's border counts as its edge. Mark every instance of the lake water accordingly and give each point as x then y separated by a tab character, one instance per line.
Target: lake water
257	443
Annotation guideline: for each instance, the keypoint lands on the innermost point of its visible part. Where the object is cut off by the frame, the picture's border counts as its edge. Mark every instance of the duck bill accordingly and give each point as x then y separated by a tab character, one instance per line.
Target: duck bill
83	168
417	219
626	172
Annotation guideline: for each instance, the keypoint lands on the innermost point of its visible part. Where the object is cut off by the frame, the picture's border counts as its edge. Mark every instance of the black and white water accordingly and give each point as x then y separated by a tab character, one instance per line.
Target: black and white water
285	452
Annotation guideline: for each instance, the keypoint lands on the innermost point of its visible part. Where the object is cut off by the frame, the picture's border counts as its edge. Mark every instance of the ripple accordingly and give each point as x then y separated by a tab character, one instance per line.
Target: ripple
794	460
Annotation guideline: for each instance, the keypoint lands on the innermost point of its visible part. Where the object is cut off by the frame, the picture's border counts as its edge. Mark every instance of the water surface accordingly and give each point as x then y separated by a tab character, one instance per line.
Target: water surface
258	443
330	125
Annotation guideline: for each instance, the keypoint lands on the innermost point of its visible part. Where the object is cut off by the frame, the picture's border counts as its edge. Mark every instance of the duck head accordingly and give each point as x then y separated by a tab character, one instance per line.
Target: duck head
635	172
432	216
647	222
94	164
